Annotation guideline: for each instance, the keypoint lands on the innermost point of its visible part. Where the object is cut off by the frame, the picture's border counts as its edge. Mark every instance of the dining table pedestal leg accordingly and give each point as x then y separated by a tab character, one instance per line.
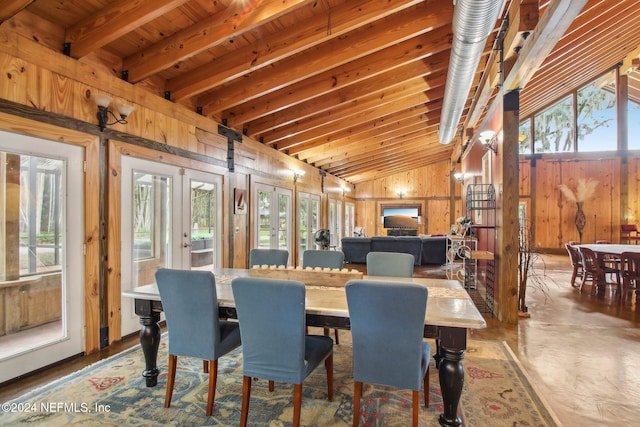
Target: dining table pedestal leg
452	344
149	339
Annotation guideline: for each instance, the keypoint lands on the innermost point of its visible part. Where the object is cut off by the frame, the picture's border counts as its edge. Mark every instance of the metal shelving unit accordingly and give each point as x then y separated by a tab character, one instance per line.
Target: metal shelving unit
480	261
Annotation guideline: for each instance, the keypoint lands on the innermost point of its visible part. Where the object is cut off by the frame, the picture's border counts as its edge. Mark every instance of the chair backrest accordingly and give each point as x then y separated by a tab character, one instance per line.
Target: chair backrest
272	327
190	305
325	259
387	325
630	264
590	261
628	228
268	257
574	254
394	264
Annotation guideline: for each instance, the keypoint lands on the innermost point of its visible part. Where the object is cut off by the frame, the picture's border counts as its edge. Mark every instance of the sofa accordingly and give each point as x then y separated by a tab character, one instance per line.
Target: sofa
426	250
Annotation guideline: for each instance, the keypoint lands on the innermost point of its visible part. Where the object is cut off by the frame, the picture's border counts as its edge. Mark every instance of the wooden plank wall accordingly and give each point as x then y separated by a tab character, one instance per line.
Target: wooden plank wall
429	186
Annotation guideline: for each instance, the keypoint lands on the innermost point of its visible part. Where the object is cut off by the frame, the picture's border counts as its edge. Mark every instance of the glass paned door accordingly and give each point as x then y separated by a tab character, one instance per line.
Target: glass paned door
309	222
41	253
272	218
170	218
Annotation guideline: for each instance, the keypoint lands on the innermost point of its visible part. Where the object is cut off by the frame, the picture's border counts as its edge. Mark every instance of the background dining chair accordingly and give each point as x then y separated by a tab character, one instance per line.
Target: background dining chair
630	264
274	344
576	263
629	233
387	328
394	264
190	304
268	257
324	259
595	270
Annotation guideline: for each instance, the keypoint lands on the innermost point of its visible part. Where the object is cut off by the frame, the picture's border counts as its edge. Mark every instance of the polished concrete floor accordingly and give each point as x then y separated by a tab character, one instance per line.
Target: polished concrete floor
582	352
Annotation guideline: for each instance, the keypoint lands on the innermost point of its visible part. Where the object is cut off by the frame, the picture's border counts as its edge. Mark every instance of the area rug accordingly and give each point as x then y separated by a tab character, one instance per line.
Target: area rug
112	392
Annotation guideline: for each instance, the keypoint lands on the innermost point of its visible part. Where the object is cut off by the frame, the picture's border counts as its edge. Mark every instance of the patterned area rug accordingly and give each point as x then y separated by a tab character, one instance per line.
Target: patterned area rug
112	392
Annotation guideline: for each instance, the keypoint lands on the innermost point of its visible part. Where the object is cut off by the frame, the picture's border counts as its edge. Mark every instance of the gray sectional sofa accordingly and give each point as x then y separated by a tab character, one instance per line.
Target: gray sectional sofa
427	250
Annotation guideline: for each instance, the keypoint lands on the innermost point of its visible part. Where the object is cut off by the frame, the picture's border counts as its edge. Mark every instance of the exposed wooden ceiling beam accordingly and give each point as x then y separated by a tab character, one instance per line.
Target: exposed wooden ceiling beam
112	22
553	24
290	136
8	8
209	32
396	28
283	44
430	49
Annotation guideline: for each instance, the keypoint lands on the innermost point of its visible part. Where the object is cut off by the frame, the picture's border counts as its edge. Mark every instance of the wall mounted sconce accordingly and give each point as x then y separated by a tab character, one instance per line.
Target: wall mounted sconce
488	140
103	101
345	190
400	193
459	176
297	174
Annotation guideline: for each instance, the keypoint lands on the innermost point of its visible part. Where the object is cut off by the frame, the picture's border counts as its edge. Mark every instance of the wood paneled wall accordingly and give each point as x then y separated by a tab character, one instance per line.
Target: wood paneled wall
431	186
57	89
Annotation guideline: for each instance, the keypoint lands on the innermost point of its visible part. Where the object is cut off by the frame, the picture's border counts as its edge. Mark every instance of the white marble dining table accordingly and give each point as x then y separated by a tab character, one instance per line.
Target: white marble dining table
450	314
611	248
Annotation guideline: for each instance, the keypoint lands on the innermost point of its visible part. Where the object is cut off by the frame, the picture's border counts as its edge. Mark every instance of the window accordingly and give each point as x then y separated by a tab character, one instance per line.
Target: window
596	111
634	124
524	137
554	128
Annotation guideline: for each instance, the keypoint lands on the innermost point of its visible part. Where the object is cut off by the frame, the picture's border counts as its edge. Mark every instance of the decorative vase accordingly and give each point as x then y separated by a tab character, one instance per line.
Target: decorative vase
581	219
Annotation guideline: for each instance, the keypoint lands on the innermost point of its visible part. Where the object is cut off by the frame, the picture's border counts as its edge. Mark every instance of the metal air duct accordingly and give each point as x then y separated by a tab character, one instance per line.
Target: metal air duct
473	22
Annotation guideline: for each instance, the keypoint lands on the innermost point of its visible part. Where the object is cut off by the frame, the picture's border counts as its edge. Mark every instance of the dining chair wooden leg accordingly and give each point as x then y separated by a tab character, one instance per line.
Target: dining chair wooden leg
171	378
246	395
328	364
415	406
357	394
205	366
272	385
213	378
297	404
425	386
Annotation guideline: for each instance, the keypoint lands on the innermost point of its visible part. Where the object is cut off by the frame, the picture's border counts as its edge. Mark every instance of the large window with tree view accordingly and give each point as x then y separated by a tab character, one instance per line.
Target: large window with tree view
582	121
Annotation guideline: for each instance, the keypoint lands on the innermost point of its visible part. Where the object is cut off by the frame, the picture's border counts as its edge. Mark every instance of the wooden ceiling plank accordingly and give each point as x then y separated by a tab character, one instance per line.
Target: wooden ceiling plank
216	29
345	116
394	29
112	22
283	44
338	147
358	131
9	8
394	162
395	81
431	48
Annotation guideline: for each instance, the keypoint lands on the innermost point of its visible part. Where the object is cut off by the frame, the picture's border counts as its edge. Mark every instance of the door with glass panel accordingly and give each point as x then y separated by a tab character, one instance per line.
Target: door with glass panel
335	222
41	253
171	217
308	222
272	217
349	219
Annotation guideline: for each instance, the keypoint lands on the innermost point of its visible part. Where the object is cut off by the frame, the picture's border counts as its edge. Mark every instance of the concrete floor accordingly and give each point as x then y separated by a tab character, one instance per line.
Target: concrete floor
582	352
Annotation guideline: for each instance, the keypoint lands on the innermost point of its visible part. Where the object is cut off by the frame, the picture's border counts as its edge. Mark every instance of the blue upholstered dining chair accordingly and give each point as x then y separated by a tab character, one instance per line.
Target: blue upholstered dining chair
324	259
268	257
387	327
190	304
274	344
394	264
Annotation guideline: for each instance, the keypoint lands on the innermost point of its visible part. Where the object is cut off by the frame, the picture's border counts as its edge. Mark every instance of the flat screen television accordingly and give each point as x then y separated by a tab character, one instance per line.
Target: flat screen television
400	217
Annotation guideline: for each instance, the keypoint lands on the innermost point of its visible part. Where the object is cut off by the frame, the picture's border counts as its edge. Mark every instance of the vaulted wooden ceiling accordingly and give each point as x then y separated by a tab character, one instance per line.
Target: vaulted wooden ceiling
354	87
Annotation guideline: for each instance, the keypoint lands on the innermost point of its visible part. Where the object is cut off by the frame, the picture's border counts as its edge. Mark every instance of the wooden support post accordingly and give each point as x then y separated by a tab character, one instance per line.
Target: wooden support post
508	201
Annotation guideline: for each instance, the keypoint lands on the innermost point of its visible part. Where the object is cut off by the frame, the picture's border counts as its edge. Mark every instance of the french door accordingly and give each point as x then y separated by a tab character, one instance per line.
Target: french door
171	217
272	217
308	222
41	253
